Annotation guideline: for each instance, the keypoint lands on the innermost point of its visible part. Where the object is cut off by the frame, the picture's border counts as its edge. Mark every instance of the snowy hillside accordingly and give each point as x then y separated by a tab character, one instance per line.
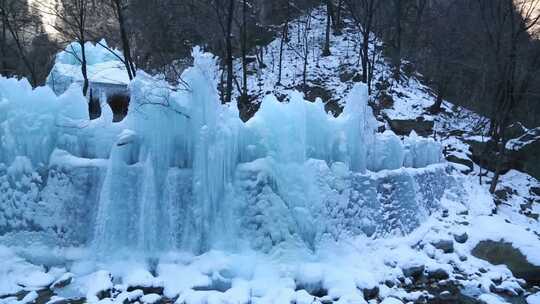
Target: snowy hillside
182	202
331	77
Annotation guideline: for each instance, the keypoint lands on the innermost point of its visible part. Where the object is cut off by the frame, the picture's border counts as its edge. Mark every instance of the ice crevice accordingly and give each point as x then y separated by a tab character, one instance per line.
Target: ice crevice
183	172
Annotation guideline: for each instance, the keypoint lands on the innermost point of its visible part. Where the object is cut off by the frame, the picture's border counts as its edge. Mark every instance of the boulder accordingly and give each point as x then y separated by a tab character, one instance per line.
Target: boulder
482	153
520	154
318	91
462	161
391	300
405	126
142	279
347	74
357	78
461	238
451	292
414	272
514	130
47	296
498	252
147	289
385	100
437	274
36	280
526	153
150	298
390	283
62	281
371	293
447	246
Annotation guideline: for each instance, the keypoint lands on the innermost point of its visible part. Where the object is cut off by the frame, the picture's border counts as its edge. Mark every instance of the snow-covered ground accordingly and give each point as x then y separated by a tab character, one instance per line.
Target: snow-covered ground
338	271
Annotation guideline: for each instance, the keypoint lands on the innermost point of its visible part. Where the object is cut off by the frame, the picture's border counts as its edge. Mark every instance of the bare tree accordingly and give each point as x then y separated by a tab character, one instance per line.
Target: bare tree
506	26
329	17
303	45
396	58
16	18
363	13
244	94
119	7
284	38
337	21
73	25
3	45
225	16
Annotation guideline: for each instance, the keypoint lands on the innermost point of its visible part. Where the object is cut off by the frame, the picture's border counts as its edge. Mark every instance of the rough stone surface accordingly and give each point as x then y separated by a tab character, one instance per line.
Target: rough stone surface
147	290
447	246
527	158
483	154
498	253
462	161
414	272
405	126
461	238
524	159
371	293
448	293
438	274
63	281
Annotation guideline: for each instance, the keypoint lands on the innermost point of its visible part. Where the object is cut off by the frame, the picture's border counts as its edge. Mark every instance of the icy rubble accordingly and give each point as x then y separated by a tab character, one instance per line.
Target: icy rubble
338	272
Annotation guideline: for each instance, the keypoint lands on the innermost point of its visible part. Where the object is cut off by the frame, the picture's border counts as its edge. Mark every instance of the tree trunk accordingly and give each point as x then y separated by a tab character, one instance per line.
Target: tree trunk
244	51
365	56
397	43
421	4
3	51
329	13
305	54
498	167
304	73
128	60
228	50
371	70
21	51
436	107
284	37
508	102
337	23
84	69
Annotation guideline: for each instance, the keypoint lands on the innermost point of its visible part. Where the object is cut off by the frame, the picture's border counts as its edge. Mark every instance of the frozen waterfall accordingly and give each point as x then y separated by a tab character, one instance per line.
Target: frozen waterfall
183	172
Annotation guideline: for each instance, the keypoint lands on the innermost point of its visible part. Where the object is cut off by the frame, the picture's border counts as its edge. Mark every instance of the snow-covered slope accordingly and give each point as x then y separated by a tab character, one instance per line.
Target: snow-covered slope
332	77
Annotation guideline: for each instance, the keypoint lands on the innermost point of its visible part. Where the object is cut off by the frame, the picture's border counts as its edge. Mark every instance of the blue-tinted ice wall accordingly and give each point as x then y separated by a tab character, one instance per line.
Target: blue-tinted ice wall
183	172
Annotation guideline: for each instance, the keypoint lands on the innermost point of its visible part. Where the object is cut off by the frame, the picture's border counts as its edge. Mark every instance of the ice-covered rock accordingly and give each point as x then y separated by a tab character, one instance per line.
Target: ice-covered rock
64	280
534	298
391	300
141	279
106	72
98	286
36	280
150	298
